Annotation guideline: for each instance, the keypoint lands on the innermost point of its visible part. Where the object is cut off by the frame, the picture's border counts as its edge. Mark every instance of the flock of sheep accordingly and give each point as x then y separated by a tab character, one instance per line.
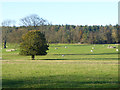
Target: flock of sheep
107	47
10	50
62	55
94	48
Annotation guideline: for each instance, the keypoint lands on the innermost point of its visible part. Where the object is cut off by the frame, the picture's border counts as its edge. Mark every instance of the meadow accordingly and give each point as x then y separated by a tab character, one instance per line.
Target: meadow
65	66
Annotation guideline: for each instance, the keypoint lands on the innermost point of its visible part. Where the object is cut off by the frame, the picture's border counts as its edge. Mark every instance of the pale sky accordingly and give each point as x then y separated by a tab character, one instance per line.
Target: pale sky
59	0
74	12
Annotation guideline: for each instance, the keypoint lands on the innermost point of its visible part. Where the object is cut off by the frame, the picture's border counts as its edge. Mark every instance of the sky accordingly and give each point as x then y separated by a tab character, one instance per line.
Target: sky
71	12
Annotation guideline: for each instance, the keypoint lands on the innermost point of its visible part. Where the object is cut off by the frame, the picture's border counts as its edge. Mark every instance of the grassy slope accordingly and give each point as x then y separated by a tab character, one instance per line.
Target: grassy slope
79	68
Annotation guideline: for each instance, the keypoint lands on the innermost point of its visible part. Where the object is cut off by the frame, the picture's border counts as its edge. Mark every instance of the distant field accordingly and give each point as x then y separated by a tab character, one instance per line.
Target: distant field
72	67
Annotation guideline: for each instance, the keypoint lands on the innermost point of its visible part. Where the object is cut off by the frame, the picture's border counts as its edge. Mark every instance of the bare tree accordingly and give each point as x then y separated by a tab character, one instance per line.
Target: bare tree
33	20
8	23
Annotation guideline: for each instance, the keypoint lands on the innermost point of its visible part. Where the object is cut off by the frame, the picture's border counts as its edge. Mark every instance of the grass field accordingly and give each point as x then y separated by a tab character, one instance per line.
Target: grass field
78	68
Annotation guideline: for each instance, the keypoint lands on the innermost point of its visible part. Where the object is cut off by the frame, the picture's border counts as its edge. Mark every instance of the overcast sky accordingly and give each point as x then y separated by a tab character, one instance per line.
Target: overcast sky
75	12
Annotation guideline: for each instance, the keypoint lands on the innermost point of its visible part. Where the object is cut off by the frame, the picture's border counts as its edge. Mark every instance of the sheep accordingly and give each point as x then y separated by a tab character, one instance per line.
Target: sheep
117	50
65	47
8	50
13	49
56	48
111	47
91	50
63	55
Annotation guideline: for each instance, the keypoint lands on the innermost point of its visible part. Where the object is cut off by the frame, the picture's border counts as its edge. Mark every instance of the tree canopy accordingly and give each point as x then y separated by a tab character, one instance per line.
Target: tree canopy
33	43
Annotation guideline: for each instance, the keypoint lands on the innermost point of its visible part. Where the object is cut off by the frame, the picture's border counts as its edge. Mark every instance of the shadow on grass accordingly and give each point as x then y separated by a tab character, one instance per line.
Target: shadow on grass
58	81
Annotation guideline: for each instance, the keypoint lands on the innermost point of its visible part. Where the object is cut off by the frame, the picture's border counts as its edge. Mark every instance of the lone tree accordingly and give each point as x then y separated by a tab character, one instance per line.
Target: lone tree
33	43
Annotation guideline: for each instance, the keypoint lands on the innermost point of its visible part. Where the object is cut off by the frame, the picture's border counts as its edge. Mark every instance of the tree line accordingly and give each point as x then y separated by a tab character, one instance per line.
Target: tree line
96	34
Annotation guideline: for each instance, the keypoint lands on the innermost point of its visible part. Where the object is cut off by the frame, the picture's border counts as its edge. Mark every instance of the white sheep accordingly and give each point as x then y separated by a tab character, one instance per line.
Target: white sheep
91	50
63	55
117	50
13	49
8	50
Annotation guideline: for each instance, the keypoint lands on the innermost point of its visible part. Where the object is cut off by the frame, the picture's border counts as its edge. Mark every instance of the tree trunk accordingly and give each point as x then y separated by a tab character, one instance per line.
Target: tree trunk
33	57
5	44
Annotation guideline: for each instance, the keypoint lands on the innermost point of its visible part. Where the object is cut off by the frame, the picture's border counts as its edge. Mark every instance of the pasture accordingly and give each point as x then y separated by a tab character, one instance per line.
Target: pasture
65	66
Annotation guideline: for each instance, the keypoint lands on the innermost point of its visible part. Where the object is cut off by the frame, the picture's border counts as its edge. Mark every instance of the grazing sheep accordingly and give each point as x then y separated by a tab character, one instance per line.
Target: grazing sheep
108	47
79	42
56	48
91	50
13	49
65	47
9	50
111	47
63	55
117	50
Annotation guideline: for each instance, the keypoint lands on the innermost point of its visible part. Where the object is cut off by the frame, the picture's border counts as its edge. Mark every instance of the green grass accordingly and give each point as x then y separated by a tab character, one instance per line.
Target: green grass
79	68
